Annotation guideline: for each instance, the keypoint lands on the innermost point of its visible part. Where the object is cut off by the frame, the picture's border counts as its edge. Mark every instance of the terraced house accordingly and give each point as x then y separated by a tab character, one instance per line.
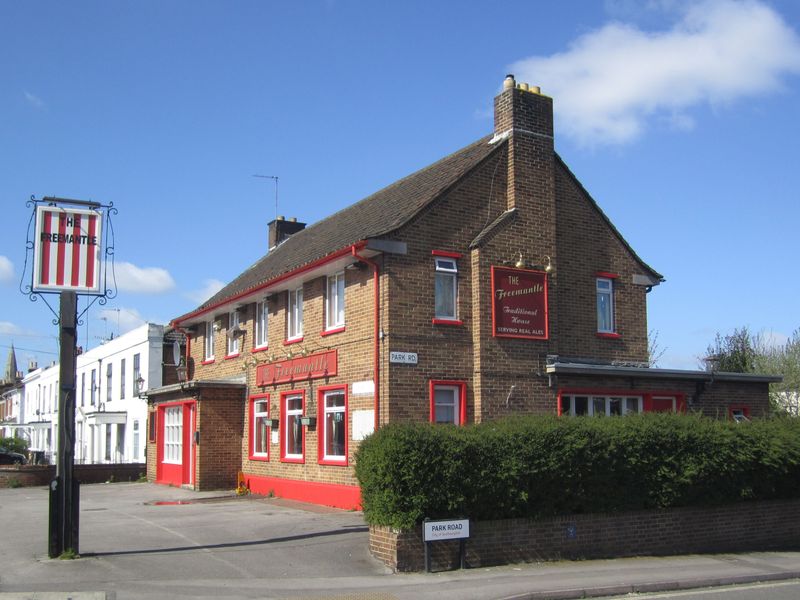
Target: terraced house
487	284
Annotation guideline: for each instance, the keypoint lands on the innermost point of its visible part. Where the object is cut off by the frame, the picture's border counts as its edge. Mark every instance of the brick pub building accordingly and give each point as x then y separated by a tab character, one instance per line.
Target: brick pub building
485	285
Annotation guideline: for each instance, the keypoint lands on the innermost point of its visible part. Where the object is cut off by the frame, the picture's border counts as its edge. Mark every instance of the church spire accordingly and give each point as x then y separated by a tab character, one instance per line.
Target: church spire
11	366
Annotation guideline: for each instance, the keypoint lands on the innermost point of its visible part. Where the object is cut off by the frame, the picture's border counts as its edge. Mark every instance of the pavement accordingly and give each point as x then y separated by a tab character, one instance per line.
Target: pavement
139	540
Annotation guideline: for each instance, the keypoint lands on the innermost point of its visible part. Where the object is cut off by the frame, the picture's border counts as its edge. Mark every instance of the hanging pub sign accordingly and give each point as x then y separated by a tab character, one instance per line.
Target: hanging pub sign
519	303
67	250
314	366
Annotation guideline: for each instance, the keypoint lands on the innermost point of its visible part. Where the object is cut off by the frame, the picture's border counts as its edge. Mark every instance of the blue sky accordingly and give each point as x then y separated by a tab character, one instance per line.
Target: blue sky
680	118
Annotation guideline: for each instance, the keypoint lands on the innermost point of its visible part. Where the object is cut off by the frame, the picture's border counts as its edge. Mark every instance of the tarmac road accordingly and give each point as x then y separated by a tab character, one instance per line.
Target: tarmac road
141	540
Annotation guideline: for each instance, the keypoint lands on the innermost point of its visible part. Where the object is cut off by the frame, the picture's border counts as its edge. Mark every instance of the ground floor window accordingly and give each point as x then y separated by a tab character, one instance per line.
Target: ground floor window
333	406
609	404
448	402
260	428
293	436
173	435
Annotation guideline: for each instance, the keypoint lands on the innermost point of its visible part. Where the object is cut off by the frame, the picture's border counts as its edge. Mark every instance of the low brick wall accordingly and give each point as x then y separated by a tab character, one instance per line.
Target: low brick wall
35	475
743	527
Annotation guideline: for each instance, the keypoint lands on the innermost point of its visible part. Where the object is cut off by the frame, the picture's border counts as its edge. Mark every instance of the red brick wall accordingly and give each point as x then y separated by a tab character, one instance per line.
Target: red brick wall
744	527
219	454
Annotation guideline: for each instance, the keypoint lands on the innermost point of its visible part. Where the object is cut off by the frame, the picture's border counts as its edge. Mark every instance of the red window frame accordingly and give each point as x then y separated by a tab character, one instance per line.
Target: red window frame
321	427
462	398
646	395
283	429
252	433
745	410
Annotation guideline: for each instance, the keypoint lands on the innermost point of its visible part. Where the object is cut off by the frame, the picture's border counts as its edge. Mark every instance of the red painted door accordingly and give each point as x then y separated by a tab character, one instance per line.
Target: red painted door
176	443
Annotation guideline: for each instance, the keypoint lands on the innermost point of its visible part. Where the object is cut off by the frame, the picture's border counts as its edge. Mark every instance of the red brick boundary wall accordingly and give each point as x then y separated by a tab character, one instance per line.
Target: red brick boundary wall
35	475
743	527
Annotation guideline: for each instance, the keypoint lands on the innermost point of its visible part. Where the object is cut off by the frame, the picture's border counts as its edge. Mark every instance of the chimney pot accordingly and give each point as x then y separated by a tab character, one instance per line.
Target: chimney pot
508	82
523	87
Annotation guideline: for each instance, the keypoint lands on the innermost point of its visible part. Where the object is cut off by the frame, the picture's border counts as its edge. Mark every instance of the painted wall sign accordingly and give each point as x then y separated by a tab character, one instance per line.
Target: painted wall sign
314	366
403	358
67	250
445	530
519	303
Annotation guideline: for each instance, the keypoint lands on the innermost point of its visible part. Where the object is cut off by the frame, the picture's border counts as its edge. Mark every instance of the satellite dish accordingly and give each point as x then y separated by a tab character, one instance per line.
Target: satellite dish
176	353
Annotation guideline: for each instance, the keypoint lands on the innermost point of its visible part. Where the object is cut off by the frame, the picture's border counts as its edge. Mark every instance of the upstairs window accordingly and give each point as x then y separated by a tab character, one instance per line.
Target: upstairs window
446	288
334	302
109	382
605	305
262	320
233	333
93	389
294	314
208	346
122	379
137	374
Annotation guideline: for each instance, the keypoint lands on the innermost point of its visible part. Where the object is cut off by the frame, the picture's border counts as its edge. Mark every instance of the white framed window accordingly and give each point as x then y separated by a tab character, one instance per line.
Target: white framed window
173	435
122	379
446	402
109	382
208	346
93	389
600	406
292	427
262	322
334	301
135	440
294	314
334	427
605	305
233	336
446	288
261	428
137	373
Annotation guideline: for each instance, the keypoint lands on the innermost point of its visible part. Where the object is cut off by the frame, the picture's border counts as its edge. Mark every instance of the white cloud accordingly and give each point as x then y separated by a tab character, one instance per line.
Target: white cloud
210	287
143	280
34	100
6	270
121	320
611	81
9	328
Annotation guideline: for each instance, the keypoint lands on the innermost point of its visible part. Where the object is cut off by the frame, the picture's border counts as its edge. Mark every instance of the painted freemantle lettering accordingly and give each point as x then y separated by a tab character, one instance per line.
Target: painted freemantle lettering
519	303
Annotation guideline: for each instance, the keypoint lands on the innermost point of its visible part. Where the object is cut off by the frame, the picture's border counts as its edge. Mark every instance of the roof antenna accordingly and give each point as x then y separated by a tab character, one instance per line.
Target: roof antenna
275	179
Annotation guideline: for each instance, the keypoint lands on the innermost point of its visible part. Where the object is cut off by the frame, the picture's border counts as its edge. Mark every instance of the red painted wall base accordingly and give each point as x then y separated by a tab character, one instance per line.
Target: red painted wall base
326	494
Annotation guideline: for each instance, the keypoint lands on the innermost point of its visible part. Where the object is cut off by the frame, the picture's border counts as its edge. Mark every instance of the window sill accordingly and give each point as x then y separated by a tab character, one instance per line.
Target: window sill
291	341
208	361
260	457
261	349
230	356
609	336
286	459
452	322
331	462
332	331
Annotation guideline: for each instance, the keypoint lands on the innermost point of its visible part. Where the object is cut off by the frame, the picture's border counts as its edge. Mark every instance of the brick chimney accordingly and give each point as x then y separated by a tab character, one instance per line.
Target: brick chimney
525	117
280	230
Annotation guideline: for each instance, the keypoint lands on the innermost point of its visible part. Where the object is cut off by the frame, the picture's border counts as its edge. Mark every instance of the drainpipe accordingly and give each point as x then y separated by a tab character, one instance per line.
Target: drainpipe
377	331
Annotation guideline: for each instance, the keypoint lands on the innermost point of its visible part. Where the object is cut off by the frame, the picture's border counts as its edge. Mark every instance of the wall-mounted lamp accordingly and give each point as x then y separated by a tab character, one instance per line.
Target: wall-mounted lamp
310	422
139	384
182	371
544	264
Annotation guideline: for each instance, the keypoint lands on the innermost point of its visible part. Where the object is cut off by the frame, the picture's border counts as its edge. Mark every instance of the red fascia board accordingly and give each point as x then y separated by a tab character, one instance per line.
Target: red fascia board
607	275
267	284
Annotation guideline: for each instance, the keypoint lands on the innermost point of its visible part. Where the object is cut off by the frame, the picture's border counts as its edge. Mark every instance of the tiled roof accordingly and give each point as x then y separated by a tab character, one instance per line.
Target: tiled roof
374	216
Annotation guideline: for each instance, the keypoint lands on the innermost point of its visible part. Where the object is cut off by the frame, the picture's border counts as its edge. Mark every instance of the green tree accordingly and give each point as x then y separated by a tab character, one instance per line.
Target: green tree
733	353
784	360
14	444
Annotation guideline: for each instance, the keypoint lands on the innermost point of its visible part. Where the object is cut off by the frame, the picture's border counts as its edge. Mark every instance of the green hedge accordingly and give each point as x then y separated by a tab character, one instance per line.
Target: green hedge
543	466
